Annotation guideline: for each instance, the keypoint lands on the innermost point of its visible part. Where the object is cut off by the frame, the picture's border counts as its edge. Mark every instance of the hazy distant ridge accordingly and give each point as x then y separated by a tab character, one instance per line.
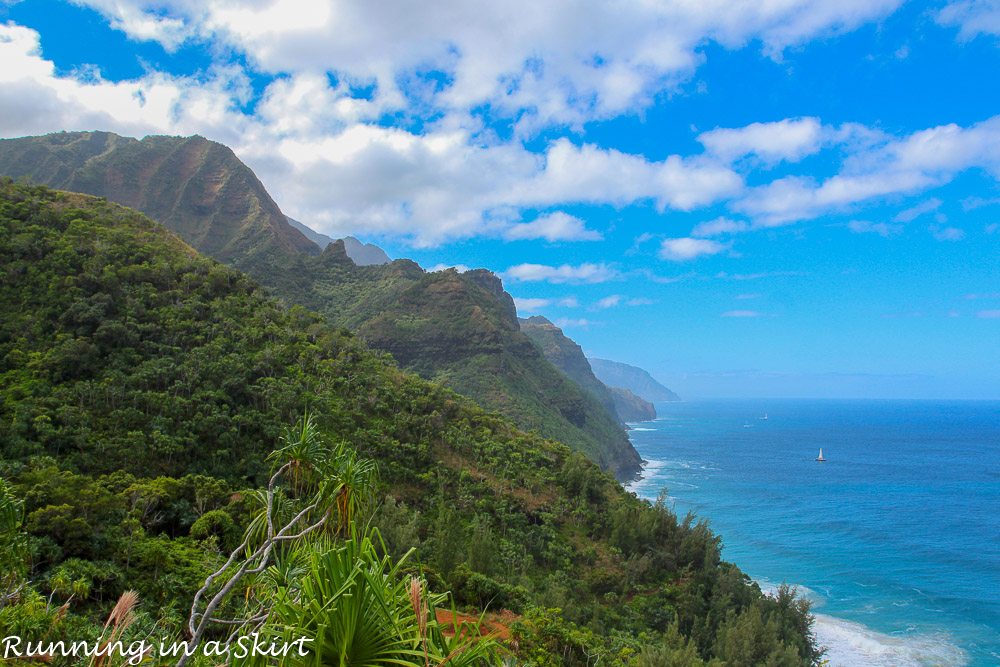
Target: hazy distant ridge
636	380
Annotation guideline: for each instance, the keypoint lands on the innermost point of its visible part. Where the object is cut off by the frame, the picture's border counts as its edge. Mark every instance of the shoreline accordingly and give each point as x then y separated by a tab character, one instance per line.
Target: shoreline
850	640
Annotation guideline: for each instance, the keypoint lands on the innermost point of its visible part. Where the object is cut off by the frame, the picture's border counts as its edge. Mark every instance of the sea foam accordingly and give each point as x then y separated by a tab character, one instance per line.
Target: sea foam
850	644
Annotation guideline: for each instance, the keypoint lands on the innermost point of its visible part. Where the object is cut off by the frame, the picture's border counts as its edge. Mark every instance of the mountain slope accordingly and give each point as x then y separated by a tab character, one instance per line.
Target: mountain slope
630	407
566	355
460	329
197	188
636	380
128	360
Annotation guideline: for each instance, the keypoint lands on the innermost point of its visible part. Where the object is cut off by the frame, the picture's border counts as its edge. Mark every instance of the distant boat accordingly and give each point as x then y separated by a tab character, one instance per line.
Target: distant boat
820	457
747	425
764	418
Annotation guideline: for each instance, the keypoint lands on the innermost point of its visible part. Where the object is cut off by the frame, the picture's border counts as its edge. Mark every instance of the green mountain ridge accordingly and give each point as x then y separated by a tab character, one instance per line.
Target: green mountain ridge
142	385
566	355
459	329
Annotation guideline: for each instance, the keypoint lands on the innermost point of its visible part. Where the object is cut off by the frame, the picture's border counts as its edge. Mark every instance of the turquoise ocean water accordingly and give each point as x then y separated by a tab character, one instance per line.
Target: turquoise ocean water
895	538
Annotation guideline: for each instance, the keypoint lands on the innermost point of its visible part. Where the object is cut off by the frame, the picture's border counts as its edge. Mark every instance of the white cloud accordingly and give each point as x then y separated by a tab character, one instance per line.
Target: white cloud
791	139
615	300
461	268
557	226
533	305
883	229
992	228
36	99
947	233
609	302
719	227
311	143
567	322
316	145
972	203
584	273
558	62
920	209
528	305
590	174
683	249
988	314
910	164
973	17
741	313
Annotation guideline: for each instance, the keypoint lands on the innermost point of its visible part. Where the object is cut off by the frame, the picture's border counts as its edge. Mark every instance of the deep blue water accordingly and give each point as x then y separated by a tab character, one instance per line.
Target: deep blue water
896	537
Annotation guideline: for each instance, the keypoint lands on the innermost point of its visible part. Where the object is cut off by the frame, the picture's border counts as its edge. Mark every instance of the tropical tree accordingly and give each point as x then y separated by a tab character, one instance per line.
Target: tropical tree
356	607
307	569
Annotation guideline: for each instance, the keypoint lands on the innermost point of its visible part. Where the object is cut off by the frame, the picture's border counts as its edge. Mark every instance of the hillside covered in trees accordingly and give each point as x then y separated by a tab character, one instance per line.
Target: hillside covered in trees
457	329
144	387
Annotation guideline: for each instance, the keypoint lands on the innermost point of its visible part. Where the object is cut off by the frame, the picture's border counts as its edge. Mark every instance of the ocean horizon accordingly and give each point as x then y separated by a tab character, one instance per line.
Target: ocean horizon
894	537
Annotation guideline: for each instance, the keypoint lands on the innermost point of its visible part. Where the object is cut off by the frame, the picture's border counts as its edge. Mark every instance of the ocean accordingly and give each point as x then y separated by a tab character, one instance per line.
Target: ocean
895	537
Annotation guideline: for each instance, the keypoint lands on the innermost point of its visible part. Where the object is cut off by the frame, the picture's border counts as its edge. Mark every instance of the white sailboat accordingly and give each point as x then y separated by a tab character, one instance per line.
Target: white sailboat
764	418
820	457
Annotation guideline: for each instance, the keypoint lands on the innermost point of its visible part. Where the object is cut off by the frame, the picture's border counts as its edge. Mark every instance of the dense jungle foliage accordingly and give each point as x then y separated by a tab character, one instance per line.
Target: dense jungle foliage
143	388
457	329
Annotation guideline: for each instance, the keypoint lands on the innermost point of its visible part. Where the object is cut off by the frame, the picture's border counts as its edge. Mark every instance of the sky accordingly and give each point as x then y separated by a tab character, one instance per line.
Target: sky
748	199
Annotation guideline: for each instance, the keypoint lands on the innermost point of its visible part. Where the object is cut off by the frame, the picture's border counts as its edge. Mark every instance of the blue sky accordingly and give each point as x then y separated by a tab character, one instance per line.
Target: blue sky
756	199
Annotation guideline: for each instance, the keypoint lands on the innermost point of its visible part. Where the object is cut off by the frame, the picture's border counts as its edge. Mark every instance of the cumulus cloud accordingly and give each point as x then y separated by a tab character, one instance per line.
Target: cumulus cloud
527	305
314	147
557	62
720	227
566	273
556	226
324	152
972	17
684	249
533	305
609	302
790	139
895	166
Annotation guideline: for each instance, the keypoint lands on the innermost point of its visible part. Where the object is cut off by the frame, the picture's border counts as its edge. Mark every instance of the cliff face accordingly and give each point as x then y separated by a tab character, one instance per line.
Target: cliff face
195	187
566	355
460	329
630	407
636	380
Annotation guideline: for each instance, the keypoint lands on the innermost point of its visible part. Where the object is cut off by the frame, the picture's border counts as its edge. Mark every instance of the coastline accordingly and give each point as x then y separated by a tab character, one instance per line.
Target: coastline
863	618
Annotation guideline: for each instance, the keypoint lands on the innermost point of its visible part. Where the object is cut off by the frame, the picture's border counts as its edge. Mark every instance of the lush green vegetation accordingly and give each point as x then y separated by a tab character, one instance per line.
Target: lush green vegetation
143	388
459	330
